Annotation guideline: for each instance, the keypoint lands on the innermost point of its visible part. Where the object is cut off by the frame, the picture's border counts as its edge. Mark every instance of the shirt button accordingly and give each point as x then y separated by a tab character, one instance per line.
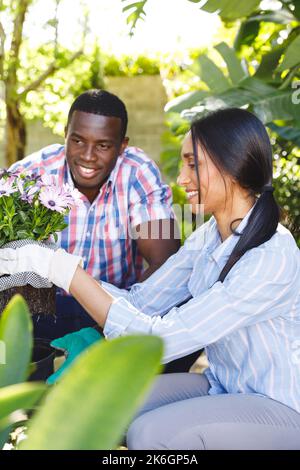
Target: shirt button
84	258
88	234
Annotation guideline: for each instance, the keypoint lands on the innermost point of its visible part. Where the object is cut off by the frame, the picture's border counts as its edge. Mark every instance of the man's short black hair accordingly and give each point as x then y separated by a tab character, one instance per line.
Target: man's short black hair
103	103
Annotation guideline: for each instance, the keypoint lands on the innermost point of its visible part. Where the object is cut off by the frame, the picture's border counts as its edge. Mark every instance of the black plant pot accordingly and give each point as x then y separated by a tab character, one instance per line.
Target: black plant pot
42	358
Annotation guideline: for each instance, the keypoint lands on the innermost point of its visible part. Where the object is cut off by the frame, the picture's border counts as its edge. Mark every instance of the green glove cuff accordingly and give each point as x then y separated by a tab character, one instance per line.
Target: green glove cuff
73	344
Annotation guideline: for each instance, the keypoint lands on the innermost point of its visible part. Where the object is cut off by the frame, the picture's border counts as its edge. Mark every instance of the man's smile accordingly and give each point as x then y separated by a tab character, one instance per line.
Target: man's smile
86	172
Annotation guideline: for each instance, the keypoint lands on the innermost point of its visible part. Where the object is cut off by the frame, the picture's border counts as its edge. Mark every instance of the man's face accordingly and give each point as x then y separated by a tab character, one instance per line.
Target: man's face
93	144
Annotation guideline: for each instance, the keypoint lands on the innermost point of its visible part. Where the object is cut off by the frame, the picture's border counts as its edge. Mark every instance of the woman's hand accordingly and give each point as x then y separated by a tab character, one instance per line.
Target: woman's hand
56	265
64	270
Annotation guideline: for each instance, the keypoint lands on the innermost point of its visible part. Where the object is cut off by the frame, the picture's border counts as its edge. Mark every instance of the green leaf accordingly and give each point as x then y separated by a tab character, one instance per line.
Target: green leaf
132	6
188	100
269	62
137	13
5	429
16	339
21	396
23	216
6	231
267	102
231	9
96	399
279	17
246	34
278	106
234	97
235	69
289	133
22	234
38	230
297	8
291	56
212	75
257	86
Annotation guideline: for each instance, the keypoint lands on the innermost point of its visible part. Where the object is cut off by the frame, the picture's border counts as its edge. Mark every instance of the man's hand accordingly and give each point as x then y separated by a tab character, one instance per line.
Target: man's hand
73	345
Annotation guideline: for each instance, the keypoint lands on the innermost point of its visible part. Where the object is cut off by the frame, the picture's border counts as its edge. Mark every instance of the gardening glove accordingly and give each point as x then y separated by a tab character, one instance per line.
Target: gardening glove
73	345
56	265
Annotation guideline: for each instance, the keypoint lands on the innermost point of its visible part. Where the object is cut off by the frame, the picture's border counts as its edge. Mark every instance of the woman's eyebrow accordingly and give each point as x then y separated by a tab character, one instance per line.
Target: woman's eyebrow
188	154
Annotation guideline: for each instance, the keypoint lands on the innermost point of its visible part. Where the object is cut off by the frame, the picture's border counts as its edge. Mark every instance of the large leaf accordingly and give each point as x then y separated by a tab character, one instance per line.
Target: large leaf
232	98
297	8
268	103
292	56
231	9
235	69
287	132
269	62
5	429
246	34
278	106
185	101
212	75
16	336
256	86
279	16
21	396
95	400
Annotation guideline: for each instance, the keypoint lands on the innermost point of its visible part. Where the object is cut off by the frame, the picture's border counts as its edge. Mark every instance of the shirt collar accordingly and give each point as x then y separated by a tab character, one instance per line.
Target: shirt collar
111	181
220	251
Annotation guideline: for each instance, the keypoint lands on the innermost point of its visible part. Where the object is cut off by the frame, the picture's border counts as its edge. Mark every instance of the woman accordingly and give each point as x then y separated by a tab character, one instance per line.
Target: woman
240	277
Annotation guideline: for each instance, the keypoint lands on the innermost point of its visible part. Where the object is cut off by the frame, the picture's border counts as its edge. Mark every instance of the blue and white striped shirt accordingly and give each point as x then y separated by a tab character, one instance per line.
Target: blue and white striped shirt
249	324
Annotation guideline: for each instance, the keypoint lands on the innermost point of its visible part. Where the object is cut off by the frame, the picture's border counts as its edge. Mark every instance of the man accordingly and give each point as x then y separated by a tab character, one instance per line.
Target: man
122	196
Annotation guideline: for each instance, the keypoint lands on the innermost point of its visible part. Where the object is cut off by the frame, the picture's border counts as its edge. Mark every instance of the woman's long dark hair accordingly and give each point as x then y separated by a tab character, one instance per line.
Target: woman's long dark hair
238	144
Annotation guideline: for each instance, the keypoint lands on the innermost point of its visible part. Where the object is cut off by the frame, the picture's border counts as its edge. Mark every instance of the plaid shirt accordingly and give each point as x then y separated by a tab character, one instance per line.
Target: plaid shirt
99	232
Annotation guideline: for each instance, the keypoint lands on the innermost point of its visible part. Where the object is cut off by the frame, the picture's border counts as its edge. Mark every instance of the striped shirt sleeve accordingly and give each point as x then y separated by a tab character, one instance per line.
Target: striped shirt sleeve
253	292
150	198
48	158
149	296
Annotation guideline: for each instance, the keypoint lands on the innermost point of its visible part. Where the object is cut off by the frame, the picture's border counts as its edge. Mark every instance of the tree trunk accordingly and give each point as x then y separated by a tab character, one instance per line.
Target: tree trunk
15	134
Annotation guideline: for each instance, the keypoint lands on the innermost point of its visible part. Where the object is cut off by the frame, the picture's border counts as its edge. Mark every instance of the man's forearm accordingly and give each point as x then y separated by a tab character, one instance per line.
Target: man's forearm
150	270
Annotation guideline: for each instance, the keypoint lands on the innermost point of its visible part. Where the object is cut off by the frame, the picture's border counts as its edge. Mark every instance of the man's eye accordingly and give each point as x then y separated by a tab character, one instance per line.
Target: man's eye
191	165
77	141
102	147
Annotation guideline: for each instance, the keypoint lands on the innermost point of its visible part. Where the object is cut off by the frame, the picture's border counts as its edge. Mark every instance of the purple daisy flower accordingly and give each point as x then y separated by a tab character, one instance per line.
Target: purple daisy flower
47	180
51	198
72	195
6	187
9	174
26	192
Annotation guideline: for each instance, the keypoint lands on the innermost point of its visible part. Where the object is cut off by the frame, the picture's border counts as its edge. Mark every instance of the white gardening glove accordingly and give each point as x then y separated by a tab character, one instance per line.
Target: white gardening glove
56	265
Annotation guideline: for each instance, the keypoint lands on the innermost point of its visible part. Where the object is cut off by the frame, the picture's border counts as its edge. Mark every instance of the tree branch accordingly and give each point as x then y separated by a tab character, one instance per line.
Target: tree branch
16	42
2	51
49	71
18	27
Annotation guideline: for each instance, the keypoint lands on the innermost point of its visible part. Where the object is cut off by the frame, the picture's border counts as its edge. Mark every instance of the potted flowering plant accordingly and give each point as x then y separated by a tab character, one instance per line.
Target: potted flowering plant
32	210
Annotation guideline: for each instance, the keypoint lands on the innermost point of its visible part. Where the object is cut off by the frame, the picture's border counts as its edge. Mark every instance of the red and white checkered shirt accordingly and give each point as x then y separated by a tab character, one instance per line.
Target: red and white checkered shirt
99	232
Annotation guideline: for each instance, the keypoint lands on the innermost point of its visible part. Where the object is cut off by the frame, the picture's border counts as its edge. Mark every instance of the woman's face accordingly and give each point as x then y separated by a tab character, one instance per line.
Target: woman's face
212	182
